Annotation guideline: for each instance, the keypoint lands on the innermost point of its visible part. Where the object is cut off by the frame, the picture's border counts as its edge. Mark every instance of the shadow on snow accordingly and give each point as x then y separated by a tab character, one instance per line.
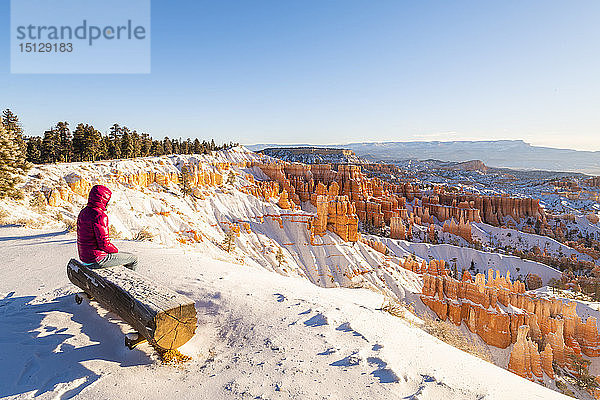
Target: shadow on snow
39	357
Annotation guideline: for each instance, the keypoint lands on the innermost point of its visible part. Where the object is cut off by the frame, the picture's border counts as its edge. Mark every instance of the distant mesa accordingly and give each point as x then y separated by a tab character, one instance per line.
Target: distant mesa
514	154
324	151
313	155
473	165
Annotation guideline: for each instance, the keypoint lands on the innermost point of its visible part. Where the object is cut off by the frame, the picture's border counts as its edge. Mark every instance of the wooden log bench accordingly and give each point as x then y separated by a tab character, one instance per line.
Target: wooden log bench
165	318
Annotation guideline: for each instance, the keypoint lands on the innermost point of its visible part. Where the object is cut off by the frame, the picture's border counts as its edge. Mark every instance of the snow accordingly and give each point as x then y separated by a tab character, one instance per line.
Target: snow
260	335
482	260
501	237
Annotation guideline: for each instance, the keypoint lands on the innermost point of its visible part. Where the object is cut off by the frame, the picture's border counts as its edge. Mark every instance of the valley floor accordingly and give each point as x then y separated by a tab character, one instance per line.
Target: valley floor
260	336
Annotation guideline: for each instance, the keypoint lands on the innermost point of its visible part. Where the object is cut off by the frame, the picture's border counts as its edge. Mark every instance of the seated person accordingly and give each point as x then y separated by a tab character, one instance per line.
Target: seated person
93	243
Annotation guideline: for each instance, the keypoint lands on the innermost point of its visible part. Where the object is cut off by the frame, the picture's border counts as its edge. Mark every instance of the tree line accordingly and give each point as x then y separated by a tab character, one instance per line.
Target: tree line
84	143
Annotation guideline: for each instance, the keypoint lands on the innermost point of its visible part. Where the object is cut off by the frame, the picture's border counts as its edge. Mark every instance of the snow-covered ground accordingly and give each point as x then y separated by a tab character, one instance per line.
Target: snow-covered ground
482	261
260	336
504	237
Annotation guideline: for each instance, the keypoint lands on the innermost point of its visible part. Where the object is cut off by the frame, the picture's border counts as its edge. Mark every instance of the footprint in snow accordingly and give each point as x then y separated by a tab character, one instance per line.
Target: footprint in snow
424	383
327	352
383	373
349	361
345	327
316	320
280	298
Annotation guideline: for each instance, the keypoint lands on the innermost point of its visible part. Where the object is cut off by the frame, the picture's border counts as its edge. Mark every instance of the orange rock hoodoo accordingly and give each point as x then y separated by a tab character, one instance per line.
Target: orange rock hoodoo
398	205
197	175
501	313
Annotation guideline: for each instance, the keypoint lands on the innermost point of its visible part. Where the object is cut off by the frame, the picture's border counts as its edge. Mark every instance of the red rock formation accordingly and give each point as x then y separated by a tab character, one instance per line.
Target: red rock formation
536	362
397	230
590	342
556	341
520	358
461	229
378	202
283	200
546	358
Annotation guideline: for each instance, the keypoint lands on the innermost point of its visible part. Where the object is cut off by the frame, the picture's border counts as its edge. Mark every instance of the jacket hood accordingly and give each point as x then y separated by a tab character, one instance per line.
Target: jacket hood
99	196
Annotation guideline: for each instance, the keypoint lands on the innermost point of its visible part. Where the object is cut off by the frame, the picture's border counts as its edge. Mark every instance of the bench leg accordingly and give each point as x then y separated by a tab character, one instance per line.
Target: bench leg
79	297
133	339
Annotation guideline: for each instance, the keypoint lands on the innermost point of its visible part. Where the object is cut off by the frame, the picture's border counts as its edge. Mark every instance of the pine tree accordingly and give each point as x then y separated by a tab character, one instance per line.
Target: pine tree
79	143
185	180
145	145
280	258
114	134
15	131
104	148
583	378
50	146
127	147
92	140
229	241
230	178
176	146
137	144
10	160
167	146
197	147
65	140
157	148
34	149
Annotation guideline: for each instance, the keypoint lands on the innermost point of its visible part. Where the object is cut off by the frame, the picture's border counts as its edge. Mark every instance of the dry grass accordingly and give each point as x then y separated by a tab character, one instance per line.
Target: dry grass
26	222
444	330
172	357
16	194
143	235
447	332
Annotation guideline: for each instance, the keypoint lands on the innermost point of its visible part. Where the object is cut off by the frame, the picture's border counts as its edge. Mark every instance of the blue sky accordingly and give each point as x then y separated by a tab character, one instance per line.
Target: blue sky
342	71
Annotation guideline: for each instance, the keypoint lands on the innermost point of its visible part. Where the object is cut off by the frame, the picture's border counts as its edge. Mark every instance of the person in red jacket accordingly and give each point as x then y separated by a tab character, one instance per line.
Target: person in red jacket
93	242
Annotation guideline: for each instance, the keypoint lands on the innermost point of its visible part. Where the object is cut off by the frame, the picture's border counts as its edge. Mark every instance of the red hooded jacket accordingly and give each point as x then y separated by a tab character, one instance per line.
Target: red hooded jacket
93	243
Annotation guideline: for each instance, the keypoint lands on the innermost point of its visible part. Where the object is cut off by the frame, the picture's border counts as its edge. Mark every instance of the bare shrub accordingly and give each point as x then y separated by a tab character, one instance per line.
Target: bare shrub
3	217
113	233
143	235
228	243
394	308
38	201
28	223
70	225
16	194
564	389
